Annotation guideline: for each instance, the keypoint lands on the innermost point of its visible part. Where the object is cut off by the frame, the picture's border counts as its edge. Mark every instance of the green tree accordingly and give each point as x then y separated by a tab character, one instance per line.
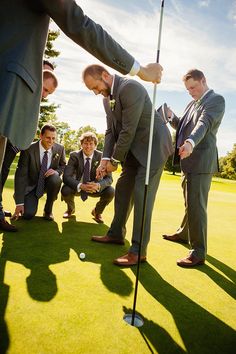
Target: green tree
228	165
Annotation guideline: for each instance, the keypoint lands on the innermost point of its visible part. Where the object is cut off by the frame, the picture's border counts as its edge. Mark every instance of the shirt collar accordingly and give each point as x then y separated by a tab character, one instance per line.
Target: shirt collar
42	149
85	156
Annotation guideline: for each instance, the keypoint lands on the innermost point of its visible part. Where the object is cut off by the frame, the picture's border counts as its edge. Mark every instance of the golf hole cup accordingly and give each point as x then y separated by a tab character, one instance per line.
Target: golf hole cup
82	255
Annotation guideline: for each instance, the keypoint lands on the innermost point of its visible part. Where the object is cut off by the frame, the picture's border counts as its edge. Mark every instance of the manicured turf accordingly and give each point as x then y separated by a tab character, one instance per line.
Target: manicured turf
51	302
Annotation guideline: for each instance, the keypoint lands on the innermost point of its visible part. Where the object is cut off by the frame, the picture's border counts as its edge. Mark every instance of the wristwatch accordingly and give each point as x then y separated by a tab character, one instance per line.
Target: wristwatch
114	162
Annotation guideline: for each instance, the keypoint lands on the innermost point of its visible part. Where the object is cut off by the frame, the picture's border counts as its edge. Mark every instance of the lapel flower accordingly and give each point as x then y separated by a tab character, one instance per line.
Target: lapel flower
55	156
95	163
112	103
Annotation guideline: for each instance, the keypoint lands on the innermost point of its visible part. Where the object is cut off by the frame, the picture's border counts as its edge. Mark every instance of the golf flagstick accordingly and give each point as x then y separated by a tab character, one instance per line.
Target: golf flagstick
134	319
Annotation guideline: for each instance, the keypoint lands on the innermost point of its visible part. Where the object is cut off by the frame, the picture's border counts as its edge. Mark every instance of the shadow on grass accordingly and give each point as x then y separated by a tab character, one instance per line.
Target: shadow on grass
201	332
39	244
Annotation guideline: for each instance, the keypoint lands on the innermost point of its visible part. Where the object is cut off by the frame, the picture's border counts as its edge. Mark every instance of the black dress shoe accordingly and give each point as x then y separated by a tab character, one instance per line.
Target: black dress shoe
5	226
174	238
48	216
7	213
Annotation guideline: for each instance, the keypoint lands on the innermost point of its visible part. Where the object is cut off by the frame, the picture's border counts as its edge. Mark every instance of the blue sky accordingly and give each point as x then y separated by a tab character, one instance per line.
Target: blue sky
198	34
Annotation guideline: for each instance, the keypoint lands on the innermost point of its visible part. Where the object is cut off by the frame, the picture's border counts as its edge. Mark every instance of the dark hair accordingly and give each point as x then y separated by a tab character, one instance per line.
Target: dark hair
88	136
194	74
94	70
47	127
46	62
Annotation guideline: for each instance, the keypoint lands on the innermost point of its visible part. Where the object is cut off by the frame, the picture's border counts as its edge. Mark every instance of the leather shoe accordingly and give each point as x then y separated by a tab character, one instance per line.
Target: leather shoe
5	226
174	238
7	213
107	239
48	216
190	261
68	214
97	217
129	259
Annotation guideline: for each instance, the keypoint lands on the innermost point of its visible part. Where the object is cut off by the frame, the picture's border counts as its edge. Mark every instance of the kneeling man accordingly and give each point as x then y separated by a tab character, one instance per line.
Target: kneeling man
38	172
80	178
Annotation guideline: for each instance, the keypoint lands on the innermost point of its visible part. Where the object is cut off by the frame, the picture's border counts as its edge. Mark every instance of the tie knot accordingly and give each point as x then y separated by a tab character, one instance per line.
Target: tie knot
45	152
87	159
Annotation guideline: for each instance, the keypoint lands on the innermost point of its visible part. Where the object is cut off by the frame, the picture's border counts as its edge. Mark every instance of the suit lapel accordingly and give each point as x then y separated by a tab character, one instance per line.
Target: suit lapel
37	155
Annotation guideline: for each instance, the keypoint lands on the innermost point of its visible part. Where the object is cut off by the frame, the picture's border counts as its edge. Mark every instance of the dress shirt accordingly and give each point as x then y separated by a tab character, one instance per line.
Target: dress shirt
90	161
41	153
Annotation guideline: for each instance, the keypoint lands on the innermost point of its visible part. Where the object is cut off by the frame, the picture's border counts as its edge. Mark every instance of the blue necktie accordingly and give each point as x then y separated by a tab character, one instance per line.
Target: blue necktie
86	178
41	180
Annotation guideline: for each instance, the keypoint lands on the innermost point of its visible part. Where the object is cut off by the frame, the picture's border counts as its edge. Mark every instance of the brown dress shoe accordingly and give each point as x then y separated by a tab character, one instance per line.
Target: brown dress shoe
5	226
68	214
107	239
174	238
48	216
129	259
97	217
190	261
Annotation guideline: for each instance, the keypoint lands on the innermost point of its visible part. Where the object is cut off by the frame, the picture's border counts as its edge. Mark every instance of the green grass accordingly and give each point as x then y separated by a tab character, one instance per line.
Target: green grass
51	302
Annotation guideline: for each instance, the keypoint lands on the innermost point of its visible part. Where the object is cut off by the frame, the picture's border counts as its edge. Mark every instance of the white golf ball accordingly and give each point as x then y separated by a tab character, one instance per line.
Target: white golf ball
82	255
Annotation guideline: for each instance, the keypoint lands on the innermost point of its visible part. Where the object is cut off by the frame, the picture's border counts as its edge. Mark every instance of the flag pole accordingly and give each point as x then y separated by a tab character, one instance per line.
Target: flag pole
134	319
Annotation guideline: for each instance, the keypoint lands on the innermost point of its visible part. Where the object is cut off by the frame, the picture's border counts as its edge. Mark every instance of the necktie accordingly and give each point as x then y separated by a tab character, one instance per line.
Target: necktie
86	178
41	180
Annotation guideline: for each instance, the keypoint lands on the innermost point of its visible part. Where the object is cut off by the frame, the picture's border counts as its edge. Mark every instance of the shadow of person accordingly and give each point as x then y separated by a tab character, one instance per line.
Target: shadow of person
77	236
4	294
201	332
228	285
36	250
156	336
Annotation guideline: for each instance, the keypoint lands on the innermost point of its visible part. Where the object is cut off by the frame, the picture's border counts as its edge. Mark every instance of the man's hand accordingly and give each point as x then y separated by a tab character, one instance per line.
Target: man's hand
101	170
110	168
185	150
50	172
151	72
19	211
90	187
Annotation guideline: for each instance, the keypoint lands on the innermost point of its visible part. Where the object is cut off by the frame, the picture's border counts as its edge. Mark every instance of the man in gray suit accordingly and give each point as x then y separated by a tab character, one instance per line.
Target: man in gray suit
79	183
128	109
23	34
38	171
197	153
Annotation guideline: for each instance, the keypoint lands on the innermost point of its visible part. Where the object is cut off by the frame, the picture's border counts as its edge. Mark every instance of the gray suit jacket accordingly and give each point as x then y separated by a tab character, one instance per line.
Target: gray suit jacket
28	168
128	125
23	34
202	129
75	168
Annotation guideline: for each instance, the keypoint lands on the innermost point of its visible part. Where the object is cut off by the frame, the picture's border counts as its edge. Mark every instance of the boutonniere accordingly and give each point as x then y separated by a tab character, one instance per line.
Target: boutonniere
55	156
197	104
95	164
112	103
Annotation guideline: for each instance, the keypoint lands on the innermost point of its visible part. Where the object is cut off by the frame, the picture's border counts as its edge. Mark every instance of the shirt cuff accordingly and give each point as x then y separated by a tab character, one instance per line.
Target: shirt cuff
135	68
191	142
21	204
106	158
78	187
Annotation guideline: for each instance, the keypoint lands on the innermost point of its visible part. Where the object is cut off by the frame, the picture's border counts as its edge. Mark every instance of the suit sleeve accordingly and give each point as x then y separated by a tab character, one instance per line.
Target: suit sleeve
209	120
132	97
89	35
69	176
21	177
105	182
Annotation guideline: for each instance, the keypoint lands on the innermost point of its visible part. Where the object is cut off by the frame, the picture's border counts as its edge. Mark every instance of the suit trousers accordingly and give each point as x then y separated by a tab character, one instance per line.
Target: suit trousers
129	193
106	195
194	224
52	188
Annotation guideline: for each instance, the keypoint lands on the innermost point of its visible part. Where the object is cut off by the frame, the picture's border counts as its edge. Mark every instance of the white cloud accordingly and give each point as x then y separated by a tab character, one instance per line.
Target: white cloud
232	13
184	45
204	3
